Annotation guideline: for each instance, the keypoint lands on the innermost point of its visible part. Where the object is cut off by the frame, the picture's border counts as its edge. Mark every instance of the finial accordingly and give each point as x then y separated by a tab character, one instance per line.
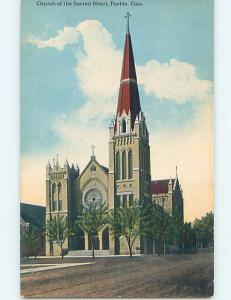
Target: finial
176	172
93	150
66	163
128	15
57	160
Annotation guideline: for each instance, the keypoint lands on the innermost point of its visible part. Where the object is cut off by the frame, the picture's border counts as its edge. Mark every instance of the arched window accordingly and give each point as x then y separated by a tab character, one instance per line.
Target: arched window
123	127
53	200
130	199
124	167
59	189
124	201
130	165
53	189
117	165
60	204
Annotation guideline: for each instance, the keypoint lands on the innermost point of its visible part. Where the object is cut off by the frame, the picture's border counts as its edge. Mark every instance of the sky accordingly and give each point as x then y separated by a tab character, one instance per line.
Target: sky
70	70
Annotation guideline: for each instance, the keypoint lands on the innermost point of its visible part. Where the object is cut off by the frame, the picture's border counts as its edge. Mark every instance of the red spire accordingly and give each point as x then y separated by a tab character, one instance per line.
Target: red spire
128	94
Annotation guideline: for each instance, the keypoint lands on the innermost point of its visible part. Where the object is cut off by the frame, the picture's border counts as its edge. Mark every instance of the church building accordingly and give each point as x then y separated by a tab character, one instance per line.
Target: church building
128	178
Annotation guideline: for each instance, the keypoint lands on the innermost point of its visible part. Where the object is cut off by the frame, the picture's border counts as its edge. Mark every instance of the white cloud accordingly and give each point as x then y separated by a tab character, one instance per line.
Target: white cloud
97	68
191	149
175	80
68	35
98	72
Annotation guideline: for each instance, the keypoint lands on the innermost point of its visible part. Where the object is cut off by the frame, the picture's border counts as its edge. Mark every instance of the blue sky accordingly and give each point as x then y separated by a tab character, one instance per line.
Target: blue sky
70	69
160	29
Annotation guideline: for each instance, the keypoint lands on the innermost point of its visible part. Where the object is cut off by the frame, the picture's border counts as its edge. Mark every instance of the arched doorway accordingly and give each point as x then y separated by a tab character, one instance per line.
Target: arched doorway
95	241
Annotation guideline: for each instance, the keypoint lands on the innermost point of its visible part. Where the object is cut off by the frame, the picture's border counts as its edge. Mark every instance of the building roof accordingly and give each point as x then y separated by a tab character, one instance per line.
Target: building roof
105	168
160	186
128	100
33	214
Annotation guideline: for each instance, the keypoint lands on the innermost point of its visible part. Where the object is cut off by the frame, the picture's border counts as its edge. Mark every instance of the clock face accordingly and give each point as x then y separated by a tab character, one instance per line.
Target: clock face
93	197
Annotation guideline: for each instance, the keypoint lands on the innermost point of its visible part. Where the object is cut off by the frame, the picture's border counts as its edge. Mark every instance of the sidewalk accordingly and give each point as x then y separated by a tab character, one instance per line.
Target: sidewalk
44	267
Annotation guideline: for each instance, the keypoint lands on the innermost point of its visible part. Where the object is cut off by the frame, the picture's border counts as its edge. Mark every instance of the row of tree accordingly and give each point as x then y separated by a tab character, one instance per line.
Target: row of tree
147	222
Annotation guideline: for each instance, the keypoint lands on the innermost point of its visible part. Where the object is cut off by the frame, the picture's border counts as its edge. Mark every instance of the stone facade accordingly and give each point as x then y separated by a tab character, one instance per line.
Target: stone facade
168	194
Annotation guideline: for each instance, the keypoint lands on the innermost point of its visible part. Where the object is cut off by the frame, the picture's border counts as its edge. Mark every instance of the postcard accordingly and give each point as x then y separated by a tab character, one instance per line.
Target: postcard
117	149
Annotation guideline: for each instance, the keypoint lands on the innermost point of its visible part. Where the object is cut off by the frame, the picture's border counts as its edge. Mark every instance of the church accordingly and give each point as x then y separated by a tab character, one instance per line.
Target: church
128	177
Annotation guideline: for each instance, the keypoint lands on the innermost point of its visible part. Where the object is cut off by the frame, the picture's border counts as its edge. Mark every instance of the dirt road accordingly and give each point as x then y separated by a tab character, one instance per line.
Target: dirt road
140	277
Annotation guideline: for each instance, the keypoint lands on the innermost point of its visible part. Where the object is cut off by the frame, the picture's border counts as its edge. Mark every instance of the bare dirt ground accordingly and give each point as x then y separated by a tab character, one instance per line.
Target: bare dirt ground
141	277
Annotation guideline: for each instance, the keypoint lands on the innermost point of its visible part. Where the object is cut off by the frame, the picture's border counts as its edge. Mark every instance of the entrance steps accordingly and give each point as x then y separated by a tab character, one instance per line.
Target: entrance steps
87	253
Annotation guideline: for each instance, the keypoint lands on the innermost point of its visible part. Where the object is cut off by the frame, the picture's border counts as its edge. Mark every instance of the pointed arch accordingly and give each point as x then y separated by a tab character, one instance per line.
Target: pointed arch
123	126
95	240
124	165
53	188
130	164
60	204
117	165
53	200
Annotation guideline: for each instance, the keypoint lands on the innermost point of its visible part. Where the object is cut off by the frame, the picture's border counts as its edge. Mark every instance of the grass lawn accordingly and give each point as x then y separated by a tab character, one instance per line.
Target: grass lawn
141	277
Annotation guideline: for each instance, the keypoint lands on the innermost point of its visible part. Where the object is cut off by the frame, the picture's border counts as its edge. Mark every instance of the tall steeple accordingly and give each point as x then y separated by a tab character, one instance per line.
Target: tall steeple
129	175
128	100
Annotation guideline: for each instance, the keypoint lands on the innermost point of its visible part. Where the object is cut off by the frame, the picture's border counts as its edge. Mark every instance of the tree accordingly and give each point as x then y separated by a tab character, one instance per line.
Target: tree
204	229
29	241
57	230
176	226
92	220
161	225
129	222
187	235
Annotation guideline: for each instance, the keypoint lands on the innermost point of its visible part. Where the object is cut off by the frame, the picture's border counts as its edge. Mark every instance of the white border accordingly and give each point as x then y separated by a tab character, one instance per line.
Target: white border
9	148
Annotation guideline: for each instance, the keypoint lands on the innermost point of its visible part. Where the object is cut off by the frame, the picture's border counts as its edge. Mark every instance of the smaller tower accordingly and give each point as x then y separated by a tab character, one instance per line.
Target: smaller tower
60	194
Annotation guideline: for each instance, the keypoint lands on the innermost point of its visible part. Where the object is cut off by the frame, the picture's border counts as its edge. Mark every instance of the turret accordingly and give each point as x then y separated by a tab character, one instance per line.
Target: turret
66	166
170	185
48	169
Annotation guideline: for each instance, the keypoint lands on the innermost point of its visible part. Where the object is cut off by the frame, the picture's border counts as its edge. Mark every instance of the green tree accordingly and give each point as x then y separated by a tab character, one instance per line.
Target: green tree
204	229
92	220
208	221
29	239
161	225
176	227
187	235
57	230
129	222
200	232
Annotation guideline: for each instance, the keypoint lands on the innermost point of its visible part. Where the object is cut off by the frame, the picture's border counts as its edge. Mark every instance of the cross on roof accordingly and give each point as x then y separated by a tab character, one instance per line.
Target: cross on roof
128	15
93	150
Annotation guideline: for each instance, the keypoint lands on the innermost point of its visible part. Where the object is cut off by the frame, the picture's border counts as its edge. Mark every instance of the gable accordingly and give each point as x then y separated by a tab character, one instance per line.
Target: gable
93	171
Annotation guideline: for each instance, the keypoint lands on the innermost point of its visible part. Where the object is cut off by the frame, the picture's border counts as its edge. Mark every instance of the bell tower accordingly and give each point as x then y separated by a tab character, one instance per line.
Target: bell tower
129	150
60	197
